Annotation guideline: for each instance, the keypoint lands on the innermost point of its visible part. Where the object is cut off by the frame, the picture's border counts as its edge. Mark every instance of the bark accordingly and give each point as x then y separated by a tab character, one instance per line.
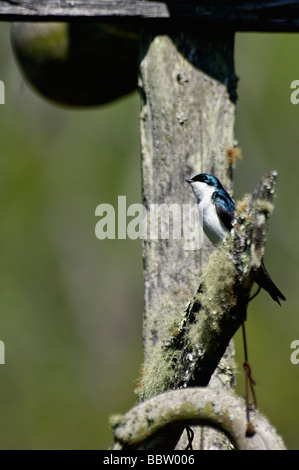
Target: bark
223	410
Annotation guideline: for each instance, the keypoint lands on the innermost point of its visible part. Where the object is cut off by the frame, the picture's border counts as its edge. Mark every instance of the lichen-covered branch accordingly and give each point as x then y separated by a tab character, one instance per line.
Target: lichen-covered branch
202	333
158	416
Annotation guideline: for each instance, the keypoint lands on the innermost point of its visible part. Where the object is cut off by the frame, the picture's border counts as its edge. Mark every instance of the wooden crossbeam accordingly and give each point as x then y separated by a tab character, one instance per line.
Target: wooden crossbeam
240	15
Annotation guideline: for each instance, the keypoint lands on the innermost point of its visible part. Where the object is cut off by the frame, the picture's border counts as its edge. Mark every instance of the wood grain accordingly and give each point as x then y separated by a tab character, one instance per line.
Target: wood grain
266	15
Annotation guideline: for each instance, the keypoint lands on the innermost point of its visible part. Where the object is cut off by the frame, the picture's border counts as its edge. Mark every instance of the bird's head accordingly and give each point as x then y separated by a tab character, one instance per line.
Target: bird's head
204	183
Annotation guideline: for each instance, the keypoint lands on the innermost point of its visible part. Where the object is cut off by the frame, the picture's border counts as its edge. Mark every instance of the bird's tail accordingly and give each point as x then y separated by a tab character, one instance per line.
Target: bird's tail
264	280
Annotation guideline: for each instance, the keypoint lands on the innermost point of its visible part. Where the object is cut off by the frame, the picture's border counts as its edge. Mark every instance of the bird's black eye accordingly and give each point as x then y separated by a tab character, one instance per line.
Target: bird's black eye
202	178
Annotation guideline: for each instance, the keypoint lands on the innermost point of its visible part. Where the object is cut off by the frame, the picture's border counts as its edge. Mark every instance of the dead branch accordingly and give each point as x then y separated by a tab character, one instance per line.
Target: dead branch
148	422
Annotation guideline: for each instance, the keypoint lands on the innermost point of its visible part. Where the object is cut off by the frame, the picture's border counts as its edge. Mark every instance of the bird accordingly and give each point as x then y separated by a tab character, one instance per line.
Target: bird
218	214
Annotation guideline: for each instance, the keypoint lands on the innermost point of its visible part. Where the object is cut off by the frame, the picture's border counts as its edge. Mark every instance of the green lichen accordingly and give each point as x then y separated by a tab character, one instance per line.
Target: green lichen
217	279
158	374
242	205
264	206
215	297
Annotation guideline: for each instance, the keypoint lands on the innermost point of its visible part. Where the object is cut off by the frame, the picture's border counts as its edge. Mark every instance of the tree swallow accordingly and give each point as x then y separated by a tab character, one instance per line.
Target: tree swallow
218	213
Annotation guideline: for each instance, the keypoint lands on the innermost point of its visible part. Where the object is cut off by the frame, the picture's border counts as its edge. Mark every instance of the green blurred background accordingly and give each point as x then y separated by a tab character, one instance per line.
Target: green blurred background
71	305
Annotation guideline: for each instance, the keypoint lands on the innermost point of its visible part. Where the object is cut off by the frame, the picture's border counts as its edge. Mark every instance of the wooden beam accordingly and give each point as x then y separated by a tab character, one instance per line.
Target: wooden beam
239	15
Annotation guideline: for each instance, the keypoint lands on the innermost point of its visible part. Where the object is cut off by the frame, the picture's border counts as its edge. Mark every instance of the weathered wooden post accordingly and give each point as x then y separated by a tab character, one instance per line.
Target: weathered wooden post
187	85
188	92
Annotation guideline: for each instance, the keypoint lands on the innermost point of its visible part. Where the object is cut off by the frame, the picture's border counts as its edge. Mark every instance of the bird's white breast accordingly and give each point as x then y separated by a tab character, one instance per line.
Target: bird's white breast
214	229
212	226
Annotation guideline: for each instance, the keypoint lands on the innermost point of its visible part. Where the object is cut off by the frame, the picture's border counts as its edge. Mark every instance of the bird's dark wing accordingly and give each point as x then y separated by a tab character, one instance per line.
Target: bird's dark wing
225	208
264	280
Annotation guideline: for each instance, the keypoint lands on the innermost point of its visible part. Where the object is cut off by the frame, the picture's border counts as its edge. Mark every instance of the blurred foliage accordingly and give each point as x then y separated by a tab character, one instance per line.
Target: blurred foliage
267	130
71	305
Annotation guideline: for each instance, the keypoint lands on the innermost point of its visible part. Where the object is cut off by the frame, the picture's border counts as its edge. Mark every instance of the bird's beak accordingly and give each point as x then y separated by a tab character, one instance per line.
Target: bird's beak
188	181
